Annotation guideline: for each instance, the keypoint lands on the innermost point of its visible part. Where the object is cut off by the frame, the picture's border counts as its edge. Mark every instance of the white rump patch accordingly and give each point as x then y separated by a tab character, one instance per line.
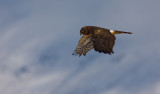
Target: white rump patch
112	31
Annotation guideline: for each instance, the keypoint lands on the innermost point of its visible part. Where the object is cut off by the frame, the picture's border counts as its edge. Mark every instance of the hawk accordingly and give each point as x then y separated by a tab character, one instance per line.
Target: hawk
97	38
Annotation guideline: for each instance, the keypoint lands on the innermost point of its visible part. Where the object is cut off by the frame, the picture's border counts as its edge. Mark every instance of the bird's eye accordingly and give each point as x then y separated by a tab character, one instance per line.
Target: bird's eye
83	31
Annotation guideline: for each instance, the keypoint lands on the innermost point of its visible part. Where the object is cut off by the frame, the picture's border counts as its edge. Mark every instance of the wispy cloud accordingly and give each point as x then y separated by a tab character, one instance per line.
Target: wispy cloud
38	37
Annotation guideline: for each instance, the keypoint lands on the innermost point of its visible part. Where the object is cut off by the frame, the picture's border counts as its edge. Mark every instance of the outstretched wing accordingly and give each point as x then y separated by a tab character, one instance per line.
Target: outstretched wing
103	41
85	44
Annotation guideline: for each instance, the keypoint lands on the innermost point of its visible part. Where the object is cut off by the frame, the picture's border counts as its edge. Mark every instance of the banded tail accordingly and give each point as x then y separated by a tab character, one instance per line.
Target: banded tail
119	32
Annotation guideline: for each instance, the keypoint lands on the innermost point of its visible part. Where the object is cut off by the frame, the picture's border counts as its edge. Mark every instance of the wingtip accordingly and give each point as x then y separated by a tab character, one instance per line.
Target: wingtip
74	54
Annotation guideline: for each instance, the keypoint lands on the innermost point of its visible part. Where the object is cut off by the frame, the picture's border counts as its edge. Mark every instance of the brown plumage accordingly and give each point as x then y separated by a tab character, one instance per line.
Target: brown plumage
101	39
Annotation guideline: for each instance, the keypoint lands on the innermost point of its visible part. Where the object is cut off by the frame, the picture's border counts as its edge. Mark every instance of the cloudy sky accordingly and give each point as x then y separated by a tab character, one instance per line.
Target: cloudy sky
37	38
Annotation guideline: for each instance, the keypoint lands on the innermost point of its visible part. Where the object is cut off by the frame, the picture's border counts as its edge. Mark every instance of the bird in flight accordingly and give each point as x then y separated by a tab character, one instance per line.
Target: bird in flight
97	38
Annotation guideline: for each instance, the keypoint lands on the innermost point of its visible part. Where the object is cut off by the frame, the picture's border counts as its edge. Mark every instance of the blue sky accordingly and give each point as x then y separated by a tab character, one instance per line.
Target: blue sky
37	38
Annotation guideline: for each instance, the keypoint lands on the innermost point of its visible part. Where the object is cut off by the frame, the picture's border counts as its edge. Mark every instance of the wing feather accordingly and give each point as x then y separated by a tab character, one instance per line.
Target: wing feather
85	44
103	41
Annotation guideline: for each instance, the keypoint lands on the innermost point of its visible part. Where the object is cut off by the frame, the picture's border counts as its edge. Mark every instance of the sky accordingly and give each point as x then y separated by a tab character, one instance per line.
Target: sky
38	37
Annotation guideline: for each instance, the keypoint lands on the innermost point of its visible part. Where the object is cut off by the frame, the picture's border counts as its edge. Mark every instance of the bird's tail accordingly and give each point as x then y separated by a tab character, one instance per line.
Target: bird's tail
120	32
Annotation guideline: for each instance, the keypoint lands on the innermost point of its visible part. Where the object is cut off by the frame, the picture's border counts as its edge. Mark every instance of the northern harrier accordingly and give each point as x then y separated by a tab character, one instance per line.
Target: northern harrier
101	39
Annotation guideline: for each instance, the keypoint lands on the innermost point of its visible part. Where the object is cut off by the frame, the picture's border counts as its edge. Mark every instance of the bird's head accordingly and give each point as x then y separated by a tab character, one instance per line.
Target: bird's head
84	31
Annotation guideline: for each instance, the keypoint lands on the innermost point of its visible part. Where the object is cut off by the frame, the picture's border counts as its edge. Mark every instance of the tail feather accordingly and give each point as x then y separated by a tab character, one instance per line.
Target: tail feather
119	32
124	32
